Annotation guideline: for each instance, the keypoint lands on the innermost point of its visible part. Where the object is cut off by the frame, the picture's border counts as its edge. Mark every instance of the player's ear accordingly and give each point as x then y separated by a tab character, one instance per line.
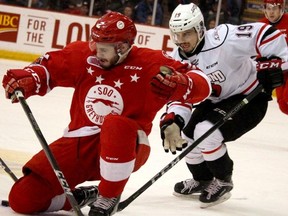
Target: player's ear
123	47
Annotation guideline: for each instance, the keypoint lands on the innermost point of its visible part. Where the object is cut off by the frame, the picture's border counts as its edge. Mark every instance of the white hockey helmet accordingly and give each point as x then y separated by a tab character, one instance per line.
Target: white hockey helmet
186	17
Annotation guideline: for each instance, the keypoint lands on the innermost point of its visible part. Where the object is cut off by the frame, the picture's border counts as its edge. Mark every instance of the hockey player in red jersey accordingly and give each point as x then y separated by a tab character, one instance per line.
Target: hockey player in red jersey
224	54
119	88
275	15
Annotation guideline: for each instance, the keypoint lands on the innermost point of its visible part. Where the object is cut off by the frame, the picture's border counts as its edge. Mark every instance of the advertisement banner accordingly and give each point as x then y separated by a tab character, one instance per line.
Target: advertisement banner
35	31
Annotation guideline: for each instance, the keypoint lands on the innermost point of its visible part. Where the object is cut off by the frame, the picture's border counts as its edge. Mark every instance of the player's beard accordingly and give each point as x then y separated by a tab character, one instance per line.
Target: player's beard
106	63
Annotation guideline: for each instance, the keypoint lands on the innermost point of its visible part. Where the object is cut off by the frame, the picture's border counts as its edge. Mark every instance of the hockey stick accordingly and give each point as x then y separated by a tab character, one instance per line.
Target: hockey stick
218	124
49	154
11	174
4	166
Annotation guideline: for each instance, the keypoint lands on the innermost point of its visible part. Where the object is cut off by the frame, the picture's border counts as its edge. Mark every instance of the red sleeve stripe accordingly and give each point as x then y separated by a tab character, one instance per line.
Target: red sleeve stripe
258	38
271	38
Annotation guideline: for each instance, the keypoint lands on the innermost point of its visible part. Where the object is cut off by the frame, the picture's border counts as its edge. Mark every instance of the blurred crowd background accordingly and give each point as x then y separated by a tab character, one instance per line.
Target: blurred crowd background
141	11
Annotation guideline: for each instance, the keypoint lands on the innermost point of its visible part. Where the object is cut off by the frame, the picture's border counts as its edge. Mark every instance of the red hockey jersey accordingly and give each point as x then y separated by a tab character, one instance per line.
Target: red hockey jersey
282	24
281	92
121	90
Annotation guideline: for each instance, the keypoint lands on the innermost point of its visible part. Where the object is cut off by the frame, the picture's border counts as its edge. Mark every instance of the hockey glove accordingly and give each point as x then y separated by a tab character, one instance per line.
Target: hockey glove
170	84
20	79
170	127
270	74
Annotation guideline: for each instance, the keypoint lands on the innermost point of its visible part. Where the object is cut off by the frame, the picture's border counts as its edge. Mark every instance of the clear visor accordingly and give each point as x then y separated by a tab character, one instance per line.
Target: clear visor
184	36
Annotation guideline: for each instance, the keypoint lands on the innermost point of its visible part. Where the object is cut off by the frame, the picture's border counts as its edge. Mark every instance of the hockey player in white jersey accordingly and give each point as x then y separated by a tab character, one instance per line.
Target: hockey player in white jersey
224	54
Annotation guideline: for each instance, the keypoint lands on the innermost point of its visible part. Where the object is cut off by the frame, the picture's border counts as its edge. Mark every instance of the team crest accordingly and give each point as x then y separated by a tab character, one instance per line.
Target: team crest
100	101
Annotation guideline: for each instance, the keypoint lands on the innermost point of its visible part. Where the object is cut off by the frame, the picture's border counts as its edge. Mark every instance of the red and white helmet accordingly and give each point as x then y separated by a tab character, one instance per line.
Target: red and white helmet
274	2
114	27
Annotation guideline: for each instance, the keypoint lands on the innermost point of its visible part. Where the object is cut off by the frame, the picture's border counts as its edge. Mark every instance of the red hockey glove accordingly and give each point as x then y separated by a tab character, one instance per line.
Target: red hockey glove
269	73
170	127
171	85
21	79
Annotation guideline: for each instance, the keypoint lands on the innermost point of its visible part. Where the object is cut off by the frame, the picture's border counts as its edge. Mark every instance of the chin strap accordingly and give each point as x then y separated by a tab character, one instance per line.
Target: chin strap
122	56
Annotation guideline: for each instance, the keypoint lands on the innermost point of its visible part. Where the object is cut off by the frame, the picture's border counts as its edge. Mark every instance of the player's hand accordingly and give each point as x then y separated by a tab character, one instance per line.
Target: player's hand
19	79
170	127
270	74
169	84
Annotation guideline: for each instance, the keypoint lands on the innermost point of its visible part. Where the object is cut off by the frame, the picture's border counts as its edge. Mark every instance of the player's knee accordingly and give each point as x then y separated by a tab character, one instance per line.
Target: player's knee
214	140
29	195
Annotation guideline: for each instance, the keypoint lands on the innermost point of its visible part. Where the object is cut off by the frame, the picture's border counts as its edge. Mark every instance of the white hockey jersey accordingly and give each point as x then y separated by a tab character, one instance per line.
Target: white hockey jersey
226	56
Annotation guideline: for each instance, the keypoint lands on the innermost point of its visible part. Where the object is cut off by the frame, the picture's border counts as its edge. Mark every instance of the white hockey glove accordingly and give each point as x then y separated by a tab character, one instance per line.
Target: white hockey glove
171	126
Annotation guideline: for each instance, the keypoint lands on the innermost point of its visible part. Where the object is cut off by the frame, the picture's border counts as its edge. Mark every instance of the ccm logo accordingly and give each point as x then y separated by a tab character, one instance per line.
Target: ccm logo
271	64
130	67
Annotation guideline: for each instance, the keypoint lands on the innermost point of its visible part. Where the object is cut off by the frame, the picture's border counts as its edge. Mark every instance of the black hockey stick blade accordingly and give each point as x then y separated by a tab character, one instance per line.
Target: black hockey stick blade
49	155
228	115
5	203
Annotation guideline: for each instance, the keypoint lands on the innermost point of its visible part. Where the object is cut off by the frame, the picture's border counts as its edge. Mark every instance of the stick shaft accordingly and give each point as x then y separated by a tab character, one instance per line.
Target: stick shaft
8	170
49	155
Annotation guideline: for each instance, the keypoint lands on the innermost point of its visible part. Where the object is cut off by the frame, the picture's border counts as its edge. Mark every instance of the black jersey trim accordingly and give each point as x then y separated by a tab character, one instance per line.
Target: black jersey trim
267	33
